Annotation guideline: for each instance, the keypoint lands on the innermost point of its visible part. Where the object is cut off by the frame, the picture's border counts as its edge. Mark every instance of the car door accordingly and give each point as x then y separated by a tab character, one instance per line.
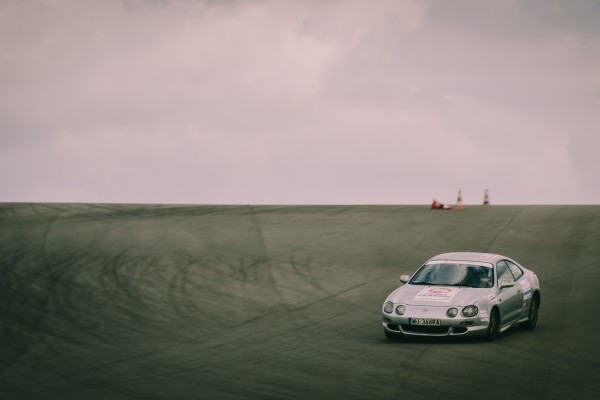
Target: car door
525	285
510	299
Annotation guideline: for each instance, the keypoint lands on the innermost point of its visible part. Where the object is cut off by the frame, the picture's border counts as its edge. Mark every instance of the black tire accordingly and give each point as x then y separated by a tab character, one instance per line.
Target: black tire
392	336
533	315
494	326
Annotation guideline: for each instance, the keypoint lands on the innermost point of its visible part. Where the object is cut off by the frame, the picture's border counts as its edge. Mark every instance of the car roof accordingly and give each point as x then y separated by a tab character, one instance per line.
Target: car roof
468	256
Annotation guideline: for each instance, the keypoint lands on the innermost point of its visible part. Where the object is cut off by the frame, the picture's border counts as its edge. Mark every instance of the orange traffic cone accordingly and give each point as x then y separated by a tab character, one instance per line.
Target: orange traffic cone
459	202
486	198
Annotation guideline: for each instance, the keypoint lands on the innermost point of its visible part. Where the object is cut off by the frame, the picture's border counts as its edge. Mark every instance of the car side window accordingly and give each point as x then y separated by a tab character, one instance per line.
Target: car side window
503	272
516	271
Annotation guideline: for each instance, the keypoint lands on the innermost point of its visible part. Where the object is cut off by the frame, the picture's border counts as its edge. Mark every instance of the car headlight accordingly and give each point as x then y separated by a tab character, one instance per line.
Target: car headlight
470	311
388	307
452	312
400	310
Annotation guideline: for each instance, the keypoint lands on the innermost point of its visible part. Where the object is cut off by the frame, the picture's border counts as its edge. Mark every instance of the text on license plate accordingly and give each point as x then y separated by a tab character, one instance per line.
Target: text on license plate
425	321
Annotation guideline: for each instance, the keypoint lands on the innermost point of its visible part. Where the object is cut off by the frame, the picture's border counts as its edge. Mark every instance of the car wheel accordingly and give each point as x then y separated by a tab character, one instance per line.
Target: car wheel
494	327
533	315
391	335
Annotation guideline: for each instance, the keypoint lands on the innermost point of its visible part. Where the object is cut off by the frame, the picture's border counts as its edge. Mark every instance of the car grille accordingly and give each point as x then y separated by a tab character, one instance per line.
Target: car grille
431	330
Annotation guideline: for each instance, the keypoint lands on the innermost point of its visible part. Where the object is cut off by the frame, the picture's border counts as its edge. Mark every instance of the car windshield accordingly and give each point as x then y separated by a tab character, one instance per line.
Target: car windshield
454	274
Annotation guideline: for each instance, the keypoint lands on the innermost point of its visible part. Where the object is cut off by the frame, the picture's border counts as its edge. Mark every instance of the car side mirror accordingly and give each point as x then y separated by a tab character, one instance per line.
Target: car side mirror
505	283
404	278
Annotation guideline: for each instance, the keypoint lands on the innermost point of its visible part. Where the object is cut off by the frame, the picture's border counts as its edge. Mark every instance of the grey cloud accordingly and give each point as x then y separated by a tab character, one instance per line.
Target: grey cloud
296	102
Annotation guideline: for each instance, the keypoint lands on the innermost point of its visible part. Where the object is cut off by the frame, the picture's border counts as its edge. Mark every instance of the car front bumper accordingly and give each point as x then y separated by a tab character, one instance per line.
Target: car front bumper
458	326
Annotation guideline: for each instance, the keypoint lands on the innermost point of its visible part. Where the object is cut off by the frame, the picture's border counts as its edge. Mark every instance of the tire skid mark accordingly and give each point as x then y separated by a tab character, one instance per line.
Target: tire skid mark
126	274
330	296
142	356
68	299
112	288
37	330
10	273
11	308
247	280
187	295
221	352
269	267
181	367
241	268
211	285
254	265
315	282
308	278
312	281
503	228
54	279
579	240
153	352
178	289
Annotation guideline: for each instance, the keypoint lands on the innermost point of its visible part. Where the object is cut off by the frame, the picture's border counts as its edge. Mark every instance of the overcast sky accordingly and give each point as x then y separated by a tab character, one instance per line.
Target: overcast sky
300	102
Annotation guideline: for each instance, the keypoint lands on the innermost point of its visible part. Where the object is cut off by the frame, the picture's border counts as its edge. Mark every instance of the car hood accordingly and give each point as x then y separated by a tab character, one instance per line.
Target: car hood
423	295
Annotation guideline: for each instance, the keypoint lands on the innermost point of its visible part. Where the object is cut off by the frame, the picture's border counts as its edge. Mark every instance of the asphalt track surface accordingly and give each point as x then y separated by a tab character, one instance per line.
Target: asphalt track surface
279	302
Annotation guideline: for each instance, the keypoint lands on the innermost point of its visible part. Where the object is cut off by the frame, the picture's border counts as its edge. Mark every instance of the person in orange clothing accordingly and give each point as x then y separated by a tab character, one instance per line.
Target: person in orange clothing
436	205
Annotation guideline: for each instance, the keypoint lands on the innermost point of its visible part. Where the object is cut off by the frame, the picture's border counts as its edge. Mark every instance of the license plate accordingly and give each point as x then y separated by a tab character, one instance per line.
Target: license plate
425	321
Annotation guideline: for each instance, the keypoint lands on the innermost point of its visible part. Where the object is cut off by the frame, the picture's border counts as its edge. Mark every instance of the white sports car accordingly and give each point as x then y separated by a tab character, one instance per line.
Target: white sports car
460	294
